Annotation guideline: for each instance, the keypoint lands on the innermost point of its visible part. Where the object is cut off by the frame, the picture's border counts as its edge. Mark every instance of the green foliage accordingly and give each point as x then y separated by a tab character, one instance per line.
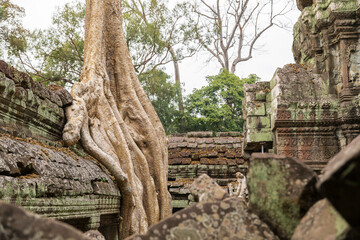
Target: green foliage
155	34
54	54
218	106
11	28
163	95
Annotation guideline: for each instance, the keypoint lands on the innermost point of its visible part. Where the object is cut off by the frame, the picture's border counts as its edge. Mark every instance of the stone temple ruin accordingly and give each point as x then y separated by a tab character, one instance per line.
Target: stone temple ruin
310	110
306	120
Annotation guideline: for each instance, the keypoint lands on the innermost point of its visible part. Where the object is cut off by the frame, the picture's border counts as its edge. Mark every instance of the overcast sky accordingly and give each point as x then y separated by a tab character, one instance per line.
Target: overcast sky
275	51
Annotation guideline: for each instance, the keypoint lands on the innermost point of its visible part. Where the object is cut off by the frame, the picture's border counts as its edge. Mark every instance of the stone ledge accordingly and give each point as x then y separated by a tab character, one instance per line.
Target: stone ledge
28	109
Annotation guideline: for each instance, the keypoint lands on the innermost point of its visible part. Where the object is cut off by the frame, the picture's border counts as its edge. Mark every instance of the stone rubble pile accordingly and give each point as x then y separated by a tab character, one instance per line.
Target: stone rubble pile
287	201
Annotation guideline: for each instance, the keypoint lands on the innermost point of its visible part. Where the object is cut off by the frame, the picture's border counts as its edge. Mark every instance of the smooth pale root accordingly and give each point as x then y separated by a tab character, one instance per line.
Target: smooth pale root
116	121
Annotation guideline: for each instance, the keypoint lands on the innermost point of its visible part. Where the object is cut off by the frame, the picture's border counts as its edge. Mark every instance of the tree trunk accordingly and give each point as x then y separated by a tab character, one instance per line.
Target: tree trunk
116	121
177	81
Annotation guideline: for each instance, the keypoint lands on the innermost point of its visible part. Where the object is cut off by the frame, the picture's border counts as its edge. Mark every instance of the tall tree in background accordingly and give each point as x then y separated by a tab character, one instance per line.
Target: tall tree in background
116	122
218	106
157	35
230	29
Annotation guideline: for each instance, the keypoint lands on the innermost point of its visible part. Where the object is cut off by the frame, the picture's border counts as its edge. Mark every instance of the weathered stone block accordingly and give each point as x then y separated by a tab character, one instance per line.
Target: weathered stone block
186	161
256	109
185	153
237	145
301	4
65	97
321	222
256	87
220	140
281	191
261	96
192	145
228	134
230	154
199	134
239	161
259	136
340	183
172	145
231	162
18	224
258	122
175	161
206	189
209	140
173	139
28	109
180	203
94	235
220	161
182	144
227	219
204	161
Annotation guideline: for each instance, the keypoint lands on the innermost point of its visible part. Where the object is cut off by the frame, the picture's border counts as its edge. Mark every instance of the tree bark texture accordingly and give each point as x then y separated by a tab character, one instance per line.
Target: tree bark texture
117	123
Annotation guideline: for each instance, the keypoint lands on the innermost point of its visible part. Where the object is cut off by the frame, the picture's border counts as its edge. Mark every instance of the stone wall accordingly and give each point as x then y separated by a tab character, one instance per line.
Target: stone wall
37	172
28	109
311	110
196	153
257	122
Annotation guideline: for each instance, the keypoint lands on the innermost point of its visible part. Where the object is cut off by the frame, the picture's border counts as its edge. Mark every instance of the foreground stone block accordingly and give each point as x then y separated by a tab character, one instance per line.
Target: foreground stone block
322	221
227	219
341	183
281	191
17	224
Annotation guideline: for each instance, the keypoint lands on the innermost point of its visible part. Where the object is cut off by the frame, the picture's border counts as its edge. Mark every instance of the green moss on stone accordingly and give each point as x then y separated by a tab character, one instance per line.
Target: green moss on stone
257	110
266	178
263	136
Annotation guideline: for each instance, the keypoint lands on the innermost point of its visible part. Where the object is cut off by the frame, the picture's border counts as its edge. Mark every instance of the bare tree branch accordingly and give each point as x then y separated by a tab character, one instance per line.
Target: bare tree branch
229	28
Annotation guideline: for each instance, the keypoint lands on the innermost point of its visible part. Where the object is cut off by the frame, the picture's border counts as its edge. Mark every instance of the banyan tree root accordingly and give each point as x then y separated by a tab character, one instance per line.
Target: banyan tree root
116	122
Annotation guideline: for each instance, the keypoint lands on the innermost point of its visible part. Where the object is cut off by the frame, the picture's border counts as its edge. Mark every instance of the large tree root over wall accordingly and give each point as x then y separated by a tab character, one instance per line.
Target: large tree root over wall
116	121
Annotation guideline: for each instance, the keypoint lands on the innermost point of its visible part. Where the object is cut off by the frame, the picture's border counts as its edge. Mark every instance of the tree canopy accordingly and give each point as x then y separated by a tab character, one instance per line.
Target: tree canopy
54	54
218	106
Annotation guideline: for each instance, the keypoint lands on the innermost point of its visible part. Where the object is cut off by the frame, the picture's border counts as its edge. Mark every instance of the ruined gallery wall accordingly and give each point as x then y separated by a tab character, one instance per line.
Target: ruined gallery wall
311	110
36	172
195	153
